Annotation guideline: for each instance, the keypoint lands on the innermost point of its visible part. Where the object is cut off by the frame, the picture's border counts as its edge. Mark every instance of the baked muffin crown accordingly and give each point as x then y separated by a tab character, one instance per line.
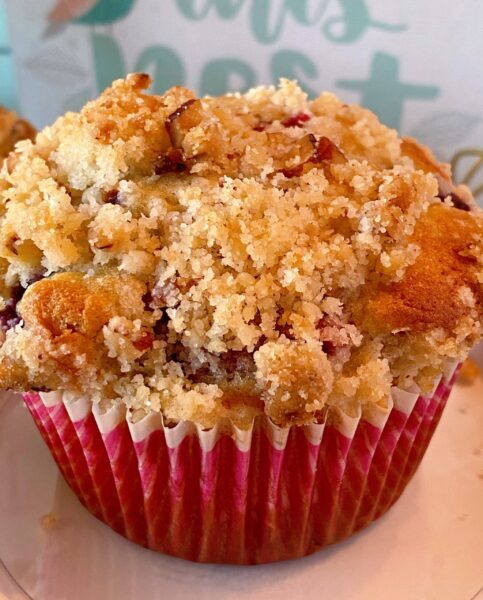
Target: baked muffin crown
224	257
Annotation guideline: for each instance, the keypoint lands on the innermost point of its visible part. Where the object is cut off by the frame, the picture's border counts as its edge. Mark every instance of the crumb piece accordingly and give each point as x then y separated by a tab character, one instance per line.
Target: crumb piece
49	521
469	372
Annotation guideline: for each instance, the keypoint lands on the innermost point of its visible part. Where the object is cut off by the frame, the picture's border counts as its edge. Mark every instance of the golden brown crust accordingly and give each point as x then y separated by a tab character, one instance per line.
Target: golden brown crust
428	294
299	376
220	257
424	158
124	114
12	130
14	375
69	303
65	314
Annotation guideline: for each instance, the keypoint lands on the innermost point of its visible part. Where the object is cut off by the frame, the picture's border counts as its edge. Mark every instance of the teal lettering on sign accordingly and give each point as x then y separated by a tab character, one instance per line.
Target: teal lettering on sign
293	65
384	93
164	65
106	11
108	60
226	9
262	14
218	76
267	17
351	25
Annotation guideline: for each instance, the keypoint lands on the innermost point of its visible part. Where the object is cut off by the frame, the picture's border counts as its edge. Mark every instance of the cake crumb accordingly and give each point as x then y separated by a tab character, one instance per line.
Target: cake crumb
469	372
49	521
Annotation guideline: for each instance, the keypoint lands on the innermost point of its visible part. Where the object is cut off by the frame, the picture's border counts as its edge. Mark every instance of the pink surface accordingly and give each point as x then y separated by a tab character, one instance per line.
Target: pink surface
230	506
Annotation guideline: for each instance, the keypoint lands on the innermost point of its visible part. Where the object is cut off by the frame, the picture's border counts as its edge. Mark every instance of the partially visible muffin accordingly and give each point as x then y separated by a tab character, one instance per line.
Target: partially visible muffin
13	129
469	372
233	256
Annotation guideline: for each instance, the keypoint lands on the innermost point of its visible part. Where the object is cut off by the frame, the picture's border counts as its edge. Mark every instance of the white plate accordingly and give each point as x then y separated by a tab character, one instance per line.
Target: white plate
428	547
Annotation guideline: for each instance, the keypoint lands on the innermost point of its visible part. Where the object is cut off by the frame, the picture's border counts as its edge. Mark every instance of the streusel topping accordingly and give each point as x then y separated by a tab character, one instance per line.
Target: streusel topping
229	256
12	130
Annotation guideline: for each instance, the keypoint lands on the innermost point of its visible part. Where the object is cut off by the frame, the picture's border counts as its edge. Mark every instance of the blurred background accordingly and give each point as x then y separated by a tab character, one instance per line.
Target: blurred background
7	81
418	65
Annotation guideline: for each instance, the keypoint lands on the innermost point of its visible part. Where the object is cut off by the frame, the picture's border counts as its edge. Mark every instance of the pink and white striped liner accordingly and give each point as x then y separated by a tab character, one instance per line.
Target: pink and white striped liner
233	496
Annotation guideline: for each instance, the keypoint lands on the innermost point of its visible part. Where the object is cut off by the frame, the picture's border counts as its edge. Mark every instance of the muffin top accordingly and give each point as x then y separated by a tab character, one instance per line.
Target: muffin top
12	130
232	256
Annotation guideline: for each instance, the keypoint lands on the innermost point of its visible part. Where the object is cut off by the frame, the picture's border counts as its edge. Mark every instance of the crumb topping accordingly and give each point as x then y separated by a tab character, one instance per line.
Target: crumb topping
12	130
228	256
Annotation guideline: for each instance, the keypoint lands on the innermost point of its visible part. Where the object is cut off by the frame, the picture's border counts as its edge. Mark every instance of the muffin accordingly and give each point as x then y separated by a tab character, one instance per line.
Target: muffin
235	320
12	130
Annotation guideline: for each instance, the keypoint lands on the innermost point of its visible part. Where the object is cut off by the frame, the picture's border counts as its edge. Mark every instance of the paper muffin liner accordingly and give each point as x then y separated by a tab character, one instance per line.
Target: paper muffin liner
239	496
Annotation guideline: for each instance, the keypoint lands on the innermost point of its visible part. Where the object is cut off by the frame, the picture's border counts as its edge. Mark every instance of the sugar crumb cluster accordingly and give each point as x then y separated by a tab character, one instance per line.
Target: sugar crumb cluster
231	256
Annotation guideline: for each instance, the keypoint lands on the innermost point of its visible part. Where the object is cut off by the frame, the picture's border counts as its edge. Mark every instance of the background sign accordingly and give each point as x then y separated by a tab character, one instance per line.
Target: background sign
418	65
